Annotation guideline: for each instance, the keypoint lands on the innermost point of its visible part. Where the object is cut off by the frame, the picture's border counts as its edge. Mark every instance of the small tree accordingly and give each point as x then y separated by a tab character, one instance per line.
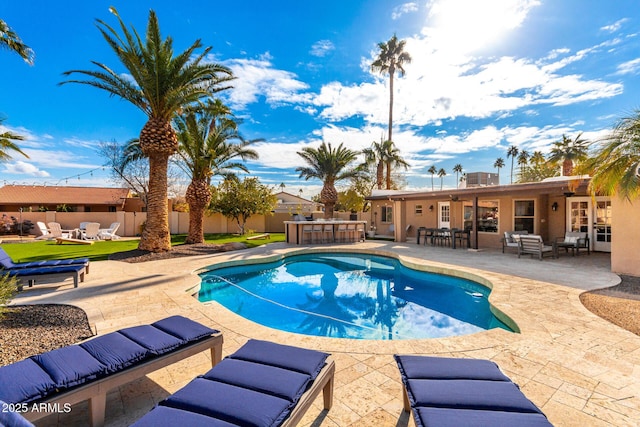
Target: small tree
240	200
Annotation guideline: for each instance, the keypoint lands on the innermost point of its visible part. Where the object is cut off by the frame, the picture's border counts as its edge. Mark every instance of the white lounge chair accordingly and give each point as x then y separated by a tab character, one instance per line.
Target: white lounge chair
109	233
91	231
43	229
56	231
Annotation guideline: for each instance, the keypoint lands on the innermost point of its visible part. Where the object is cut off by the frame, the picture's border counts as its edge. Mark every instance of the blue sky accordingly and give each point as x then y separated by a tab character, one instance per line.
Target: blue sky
484	76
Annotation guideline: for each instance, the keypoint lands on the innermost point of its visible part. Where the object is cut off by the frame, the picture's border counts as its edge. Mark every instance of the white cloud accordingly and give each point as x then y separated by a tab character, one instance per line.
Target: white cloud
23	168
629	67
404	9
615	26
258	78
322	48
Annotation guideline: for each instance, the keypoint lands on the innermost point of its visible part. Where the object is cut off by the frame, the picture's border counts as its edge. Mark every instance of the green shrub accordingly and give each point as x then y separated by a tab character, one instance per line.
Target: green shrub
8	287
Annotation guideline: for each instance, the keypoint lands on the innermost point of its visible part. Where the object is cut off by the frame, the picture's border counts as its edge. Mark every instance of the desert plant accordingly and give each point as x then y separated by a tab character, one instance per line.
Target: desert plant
8	286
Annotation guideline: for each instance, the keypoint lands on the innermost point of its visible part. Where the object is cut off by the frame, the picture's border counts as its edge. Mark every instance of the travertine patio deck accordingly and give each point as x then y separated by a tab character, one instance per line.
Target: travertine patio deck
579	369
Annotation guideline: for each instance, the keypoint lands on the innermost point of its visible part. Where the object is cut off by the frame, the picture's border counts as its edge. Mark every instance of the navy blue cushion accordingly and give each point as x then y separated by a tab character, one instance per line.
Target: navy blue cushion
166	416
70	366
297	359
279	382
183	328
12	418
229	403
115	351
24	381
469	394
53	262
43	270
442	417
152	338
425	367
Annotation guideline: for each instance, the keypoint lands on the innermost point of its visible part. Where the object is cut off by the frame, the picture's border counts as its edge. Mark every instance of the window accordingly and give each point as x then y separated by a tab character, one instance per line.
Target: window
523	215
387	214
488	214
418	210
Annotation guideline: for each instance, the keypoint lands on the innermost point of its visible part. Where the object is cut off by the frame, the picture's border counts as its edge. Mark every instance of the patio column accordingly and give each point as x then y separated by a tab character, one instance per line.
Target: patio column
474	222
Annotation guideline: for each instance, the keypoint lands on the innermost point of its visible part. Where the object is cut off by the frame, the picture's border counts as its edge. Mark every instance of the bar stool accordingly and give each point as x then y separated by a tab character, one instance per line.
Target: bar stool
351	232
317	232
307	232
342	232
328	229
360	233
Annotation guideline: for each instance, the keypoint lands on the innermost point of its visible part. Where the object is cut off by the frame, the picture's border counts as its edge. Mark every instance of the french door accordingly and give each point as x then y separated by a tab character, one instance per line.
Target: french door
444	215
593	216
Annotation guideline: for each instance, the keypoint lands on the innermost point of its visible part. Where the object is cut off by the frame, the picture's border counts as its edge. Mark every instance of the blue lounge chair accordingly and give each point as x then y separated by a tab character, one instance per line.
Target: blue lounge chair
31	276
262	384
7	263
87	371
448	392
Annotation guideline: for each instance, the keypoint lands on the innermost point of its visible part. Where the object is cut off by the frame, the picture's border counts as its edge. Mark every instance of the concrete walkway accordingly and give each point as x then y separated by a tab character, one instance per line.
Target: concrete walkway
579	369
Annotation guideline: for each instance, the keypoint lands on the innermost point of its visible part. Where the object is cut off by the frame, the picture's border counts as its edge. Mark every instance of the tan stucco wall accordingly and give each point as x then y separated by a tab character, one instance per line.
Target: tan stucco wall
625	239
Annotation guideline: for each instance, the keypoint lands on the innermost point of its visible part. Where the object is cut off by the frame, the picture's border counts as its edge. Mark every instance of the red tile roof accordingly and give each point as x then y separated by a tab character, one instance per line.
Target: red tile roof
49	195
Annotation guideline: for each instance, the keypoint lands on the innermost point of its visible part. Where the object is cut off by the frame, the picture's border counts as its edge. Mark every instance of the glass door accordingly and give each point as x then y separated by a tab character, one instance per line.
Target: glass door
444	215
602	226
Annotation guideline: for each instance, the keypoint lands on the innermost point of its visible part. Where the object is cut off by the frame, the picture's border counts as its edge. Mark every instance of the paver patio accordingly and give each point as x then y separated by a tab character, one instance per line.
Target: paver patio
578	368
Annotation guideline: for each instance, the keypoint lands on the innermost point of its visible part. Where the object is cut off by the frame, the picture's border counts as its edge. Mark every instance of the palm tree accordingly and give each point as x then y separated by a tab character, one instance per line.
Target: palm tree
6	143
569	151
499	164
442	173
512	152
206	150
160	84
523	159
392	160
432	170
457	169
10	40
329	165
392	57
374	155
615	164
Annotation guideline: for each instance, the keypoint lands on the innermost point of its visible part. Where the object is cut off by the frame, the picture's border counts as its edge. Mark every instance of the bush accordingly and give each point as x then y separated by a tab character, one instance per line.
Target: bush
10	225
8	287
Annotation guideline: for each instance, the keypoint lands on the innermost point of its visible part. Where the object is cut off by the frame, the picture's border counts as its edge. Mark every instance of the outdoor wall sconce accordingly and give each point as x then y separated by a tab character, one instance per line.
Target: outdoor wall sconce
554	206
430	208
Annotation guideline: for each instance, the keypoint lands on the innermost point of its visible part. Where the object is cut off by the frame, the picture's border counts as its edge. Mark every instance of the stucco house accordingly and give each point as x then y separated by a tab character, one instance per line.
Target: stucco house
294	205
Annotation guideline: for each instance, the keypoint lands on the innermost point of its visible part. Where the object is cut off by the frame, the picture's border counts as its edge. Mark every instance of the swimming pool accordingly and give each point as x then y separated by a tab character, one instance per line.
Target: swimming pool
346	295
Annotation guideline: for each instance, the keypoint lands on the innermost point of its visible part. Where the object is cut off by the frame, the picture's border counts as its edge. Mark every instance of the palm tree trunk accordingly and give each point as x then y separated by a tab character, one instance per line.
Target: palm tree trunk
391	72
380	174
388	176
567	168
156	236
198	197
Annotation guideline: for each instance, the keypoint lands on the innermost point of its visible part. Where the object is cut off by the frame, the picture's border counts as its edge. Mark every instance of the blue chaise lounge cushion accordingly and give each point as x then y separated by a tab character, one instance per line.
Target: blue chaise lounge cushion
24	382
115	351
70	366
184	328
153	339
166	416
446	417
443	368
297	359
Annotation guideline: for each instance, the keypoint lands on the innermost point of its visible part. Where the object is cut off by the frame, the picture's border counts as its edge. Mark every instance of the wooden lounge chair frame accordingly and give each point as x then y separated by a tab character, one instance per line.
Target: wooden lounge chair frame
60	240
324	383
96	391
30	280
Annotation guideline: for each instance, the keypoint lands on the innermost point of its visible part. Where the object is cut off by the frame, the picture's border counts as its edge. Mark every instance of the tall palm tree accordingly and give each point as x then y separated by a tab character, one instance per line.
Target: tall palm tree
206	150
512	152
392	57
329	165
615	164
392	160
568	151
10	40
457	169
6	144
441	174
432	170
499	164
160	84
523	159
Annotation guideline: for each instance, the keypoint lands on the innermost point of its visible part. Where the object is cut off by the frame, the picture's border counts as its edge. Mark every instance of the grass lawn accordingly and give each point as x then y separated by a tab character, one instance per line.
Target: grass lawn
44	250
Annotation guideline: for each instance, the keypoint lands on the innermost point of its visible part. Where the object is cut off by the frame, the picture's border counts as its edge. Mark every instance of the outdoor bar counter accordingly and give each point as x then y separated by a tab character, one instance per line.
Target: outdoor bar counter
323	231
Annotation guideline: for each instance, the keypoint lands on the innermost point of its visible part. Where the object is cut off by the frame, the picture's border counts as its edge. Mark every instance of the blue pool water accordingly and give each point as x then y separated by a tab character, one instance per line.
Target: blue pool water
345	295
